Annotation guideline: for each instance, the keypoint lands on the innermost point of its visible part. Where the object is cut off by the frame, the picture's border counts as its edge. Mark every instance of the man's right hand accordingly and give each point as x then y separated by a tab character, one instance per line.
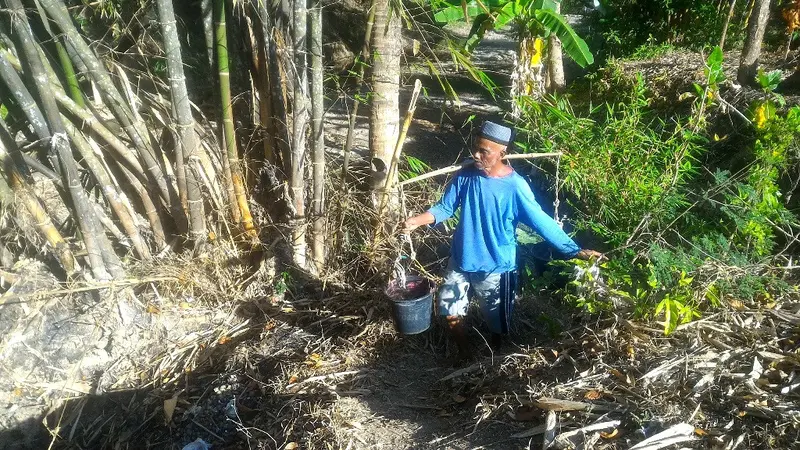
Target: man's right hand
412	223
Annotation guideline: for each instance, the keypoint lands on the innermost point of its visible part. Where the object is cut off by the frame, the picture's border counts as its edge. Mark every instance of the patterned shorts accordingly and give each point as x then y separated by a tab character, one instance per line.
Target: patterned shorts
496	293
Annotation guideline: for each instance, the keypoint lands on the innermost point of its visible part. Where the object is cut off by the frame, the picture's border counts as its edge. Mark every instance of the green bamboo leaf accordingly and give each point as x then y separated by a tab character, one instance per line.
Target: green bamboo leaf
572	44
480	26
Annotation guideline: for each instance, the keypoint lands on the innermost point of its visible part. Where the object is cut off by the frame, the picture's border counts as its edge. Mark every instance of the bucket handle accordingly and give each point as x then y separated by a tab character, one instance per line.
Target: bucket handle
400	268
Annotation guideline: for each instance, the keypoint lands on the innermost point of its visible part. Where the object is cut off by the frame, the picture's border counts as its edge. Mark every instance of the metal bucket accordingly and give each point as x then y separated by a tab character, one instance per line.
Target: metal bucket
412	304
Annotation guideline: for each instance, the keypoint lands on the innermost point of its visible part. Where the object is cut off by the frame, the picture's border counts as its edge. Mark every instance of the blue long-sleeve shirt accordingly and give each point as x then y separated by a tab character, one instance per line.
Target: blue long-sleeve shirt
491	208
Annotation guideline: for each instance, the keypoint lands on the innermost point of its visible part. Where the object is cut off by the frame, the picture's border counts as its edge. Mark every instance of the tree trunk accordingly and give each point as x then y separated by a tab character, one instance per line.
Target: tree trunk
527	79
299	128
317	138
748	65
240	209
187	142
726	23
555	62
384	126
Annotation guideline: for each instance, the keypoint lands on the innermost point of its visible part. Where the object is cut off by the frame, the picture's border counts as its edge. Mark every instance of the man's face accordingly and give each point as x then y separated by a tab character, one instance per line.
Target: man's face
487	154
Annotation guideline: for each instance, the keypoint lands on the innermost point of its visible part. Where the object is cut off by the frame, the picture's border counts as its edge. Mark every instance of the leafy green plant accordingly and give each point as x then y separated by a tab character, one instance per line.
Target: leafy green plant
685	240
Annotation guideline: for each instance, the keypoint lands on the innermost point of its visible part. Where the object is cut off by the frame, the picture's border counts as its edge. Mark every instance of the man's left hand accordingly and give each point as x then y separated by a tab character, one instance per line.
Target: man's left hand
590	254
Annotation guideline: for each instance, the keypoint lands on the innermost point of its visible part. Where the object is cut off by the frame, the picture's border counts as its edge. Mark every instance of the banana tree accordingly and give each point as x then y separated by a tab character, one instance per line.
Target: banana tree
535	20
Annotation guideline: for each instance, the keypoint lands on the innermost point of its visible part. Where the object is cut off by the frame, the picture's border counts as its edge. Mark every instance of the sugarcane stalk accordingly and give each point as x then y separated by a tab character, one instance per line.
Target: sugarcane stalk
187	141
317	138
240	210
112	196
103	262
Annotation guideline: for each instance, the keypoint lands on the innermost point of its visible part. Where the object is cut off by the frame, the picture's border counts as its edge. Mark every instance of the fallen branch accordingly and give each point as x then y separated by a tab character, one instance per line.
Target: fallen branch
457	167
6	300
681	432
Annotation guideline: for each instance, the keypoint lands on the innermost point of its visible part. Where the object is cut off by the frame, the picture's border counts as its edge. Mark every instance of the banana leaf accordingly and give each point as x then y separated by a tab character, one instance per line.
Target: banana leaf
571	43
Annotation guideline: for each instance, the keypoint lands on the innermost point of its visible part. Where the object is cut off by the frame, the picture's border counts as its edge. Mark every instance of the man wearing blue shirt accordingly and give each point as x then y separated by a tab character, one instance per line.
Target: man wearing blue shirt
493	199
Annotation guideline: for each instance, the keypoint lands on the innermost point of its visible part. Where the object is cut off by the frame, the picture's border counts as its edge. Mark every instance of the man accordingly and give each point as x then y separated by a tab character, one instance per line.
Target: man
493	198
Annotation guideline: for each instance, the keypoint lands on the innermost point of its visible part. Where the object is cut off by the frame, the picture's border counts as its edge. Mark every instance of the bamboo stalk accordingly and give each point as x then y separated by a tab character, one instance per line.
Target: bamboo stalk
276	61
240	210
469	162
299	128
150	209
362	58
317	138
727	22
60	15
102	260
41	220
398	147
68	70
220	47
134	128
110	192
27	104
186	147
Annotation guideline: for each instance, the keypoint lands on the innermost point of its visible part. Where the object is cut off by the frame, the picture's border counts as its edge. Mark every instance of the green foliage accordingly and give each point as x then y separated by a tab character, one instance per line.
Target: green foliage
628	25
686	236
621	166
538	17
414	167
652	50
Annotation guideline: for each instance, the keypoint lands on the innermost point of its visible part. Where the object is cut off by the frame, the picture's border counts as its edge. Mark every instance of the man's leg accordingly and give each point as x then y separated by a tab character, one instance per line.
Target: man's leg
496	293
453	298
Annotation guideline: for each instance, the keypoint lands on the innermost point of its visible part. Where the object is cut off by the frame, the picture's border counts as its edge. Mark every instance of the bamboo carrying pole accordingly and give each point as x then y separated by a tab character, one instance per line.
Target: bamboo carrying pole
457	167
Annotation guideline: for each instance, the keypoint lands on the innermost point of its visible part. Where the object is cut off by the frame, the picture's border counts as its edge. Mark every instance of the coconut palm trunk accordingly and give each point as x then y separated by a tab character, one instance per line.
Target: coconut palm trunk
300	112
748	64
384	127
240	209
187	141
103	262
317	138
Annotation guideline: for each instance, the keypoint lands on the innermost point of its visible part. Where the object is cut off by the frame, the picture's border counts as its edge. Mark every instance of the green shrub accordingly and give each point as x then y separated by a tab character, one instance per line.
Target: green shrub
684	236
